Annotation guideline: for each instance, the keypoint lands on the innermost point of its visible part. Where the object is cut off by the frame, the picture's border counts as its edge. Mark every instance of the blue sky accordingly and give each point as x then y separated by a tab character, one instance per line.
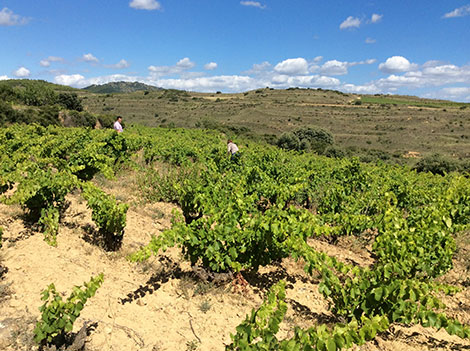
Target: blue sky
411	47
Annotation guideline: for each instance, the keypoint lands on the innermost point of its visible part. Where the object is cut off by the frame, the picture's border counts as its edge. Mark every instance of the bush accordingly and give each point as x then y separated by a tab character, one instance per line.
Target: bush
436	164
334	152
58	316
70	101
106	121
79	119
308	139
108	215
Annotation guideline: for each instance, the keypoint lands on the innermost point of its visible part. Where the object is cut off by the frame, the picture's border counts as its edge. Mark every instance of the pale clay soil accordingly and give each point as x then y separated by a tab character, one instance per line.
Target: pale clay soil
160	305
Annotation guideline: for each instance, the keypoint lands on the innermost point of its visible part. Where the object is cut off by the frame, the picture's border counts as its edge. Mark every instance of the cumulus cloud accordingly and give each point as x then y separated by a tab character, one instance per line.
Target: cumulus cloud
339	68
296	66
72	79
8	18
4	77
47	62
396	64
350	22
145	5
459	12
120	65
210	66
181	66
259	68
376	18
22	72
185	63
89	58
253	4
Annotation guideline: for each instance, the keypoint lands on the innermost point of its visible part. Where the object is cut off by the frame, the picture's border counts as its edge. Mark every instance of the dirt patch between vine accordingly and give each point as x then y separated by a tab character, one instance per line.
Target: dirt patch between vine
160	304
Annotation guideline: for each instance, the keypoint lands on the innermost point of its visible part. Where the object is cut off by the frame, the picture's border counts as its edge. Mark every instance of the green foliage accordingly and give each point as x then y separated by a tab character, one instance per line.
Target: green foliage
108	215
258	331
58	316
79	119
70	101
307	139
49	221
106	121
436	164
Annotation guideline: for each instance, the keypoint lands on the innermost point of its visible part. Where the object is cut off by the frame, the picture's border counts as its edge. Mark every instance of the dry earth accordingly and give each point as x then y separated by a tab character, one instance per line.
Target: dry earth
160	304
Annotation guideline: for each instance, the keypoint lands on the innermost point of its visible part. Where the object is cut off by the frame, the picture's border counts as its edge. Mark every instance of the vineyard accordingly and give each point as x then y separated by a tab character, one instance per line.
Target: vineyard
227	225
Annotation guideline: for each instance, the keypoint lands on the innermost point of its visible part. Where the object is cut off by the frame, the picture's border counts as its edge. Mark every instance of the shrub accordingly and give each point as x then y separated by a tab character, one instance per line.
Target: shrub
106	121
70	101
436	164
108	215
334	152
314	139
79	119
58	316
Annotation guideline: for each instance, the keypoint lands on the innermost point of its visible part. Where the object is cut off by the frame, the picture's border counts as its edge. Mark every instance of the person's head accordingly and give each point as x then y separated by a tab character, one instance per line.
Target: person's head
229	141
119	119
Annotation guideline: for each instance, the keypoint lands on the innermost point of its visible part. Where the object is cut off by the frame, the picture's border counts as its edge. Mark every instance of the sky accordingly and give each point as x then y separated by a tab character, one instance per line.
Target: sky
406	47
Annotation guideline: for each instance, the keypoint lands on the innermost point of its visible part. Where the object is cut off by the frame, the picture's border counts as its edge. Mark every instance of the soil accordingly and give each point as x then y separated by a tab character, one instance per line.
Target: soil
161	304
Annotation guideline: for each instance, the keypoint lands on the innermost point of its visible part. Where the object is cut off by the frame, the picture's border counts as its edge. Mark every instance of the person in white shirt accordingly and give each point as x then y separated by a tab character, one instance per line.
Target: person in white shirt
232	150
117	125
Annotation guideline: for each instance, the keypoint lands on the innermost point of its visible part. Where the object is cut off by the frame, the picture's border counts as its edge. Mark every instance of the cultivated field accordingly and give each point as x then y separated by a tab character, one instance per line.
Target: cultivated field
276	251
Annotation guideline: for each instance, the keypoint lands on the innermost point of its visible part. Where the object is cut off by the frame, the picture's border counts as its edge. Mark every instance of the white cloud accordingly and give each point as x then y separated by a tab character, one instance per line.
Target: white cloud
451	93
259	68
335	68
210	66
338	68
396	64
294	66
72	79
350	22
8	18
376	18
285	81
120	65
145	5
459	12
185	63
253	4
370	41
22	72
89	58
47	62
179	68
317	59
4	77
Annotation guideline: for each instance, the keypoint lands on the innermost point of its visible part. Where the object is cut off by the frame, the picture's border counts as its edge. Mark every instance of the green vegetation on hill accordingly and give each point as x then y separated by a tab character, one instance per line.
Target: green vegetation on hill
371	129
120	87
29	101
396	129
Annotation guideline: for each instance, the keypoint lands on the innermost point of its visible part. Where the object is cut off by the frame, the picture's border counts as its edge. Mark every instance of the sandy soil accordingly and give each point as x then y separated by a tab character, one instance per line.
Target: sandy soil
160	304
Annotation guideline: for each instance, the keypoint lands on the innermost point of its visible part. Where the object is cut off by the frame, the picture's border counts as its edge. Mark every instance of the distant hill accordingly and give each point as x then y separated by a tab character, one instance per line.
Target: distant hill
120	87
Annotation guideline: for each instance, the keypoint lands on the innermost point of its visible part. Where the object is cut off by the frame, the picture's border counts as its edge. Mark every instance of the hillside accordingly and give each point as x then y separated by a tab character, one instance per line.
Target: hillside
395	125
120	87
398	129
